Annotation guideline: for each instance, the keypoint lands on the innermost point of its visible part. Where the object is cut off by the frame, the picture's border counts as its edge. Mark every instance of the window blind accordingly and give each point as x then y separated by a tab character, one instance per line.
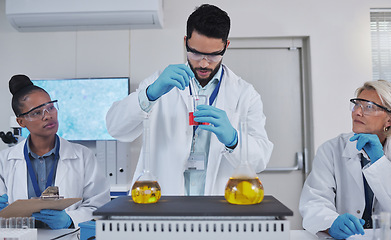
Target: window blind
381	43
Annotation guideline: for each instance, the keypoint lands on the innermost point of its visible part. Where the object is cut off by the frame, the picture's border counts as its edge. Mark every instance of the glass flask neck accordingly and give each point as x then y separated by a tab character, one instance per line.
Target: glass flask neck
146	140
147	172
244	169
243	135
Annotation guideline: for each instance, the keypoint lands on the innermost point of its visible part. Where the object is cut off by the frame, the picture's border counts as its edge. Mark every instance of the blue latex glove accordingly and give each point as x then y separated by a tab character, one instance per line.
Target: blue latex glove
173	76
3	201
371	145
346	225
53	218
220	124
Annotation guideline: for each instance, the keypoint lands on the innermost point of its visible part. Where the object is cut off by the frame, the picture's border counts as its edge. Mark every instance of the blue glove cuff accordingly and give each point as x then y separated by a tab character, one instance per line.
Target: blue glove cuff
147	92
235	141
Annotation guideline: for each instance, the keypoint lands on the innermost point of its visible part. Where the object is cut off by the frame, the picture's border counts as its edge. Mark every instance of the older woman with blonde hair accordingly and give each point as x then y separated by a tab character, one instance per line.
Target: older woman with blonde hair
351	175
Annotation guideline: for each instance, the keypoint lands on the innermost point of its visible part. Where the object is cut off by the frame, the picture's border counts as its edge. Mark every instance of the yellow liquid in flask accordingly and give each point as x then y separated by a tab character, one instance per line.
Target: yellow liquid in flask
146	192
244	191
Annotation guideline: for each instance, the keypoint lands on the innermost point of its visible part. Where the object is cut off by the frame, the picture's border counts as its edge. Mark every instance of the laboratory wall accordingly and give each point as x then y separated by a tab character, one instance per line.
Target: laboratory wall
339	48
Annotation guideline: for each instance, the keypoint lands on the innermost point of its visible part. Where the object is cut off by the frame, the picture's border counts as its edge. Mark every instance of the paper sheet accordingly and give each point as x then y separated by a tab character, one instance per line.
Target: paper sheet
367	236
26	207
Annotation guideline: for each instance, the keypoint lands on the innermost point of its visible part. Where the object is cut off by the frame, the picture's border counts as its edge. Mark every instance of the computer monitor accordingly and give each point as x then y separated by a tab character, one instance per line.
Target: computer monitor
83	104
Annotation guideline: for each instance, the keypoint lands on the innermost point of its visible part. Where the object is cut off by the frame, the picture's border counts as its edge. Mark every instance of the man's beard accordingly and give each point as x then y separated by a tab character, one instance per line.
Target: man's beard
204	81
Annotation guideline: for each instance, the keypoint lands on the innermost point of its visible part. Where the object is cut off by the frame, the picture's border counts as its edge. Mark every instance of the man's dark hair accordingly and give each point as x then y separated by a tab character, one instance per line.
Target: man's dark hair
209	21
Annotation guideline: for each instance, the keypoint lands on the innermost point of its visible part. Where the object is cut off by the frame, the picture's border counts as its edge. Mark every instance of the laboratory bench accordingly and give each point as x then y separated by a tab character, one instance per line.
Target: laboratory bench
50	234
191	218
46	234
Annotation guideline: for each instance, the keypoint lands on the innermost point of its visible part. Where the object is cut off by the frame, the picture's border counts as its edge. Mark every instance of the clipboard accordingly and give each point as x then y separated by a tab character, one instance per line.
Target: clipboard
26	207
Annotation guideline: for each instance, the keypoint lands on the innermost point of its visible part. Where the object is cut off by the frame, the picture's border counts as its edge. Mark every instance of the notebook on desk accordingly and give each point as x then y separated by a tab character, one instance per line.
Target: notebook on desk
195	206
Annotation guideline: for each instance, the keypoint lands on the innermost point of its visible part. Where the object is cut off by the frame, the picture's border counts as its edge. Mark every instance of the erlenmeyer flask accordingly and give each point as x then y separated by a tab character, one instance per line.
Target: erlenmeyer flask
146	189
244	186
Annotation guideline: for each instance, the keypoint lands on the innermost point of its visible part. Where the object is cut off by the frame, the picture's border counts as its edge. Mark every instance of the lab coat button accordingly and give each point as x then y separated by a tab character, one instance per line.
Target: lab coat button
358	211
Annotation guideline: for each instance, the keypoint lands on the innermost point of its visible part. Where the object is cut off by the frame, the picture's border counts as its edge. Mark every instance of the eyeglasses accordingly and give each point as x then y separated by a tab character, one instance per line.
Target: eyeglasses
39	111
210	57
368	108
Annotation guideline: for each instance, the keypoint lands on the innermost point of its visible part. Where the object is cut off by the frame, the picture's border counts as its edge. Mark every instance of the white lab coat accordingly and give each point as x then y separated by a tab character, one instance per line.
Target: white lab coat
335	185
77	176
171	135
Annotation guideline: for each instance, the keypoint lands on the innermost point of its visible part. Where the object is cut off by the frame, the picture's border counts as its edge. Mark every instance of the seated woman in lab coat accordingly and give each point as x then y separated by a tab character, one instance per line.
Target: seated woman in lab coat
351	174
44	159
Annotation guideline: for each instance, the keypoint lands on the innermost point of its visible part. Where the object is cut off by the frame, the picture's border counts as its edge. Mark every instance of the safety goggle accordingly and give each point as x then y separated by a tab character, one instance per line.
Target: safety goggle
368	108
210	57
39	111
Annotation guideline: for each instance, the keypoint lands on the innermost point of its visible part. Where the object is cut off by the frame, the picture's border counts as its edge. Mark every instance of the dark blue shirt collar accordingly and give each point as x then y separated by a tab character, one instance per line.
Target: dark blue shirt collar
34	155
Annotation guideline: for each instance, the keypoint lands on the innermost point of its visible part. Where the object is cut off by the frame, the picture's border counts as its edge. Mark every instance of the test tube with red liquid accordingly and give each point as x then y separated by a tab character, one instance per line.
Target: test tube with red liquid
194	101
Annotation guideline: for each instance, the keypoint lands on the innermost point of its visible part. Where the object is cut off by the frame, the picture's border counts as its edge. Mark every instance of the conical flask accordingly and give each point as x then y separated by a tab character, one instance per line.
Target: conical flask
244	186
146	189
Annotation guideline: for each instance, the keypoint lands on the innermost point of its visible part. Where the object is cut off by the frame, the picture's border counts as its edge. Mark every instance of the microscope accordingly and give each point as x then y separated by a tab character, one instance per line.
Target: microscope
12	137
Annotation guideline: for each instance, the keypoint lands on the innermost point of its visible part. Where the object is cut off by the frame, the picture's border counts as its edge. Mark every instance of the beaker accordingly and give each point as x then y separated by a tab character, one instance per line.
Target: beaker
381	226
195	101
11	222
3	222
146	189
244	186
19	222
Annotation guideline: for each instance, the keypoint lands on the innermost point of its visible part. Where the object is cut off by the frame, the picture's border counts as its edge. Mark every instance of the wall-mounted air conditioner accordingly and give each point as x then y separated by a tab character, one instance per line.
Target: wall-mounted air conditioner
65	15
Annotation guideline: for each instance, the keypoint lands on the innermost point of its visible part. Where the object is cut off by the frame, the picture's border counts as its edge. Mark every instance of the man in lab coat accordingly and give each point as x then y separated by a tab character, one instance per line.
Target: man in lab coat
198	160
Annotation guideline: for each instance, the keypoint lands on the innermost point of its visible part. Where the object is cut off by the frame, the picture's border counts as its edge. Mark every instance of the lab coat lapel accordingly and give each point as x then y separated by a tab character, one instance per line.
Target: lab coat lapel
19	185
62	169
66	154
353	163
20	189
